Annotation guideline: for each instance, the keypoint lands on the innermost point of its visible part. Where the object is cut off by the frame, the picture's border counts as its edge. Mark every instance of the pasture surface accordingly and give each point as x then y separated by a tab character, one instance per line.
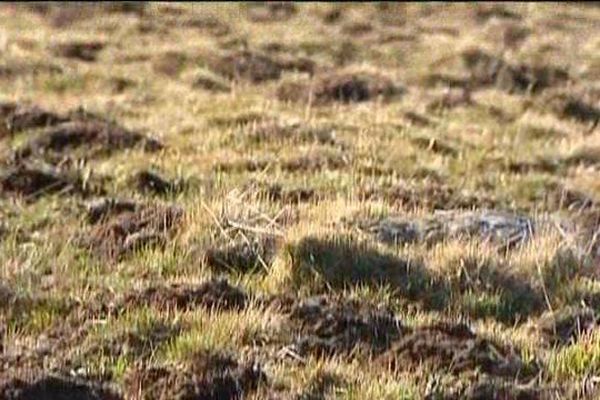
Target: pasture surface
299	201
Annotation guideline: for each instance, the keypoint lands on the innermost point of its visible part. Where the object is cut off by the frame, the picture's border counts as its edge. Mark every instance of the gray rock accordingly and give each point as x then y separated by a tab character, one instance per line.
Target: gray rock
503	229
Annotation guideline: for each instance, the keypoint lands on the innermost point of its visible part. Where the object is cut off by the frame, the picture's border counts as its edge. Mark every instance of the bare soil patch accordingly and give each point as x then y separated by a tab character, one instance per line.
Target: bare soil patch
17	117
83	51
208	376
327	327
214	294
94	136
343	87
150	182
456	349
257	67
33	181
121	234
53	388
245	253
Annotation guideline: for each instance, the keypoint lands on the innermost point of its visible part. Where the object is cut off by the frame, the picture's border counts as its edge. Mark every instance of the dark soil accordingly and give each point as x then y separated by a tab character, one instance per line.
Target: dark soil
214	294
315	161
120	235
55	388
207	376
109	207
276	192
97	137
16	117
241	165
325	327
454	348
357	28
84	51
150	182
257	67
242	253
34	181
570	106
486	70
211	84
340	87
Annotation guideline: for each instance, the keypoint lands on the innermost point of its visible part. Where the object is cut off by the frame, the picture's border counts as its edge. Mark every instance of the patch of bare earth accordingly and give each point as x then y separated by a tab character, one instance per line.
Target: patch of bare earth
343	87
48	387
208	375
327	327
121	228
32	181
456	349
95	137
213	294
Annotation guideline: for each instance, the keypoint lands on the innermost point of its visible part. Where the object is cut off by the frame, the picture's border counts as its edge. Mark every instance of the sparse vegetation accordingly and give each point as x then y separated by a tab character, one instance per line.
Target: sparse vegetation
299	201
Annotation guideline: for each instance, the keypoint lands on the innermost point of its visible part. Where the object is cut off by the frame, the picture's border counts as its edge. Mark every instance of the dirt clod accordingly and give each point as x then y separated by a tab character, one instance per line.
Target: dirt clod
326	327
53	388
207	376
242	254
345	87
96	137
15	117
454	348
108	207
570	106
277	192
214	294
84	51
150	182
122	234
32	181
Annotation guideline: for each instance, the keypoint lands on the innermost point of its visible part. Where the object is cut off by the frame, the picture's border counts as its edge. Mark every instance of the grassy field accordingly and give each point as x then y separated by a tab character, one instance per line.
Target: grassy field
299	201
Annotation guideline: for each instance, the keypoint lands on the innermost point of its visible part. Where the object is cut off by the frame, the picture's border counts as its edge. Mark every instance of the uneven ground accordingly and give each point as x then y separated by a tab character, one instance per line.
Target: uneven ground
299	201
